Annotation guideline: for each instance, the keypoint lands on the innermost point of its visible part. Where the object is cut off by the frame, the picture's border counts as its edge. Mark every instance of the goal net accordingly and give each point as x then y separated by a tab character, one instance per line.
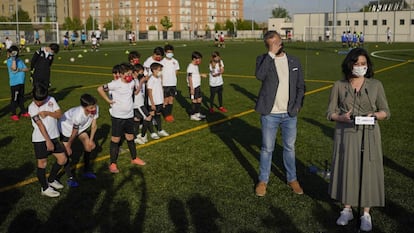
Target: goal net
324	33
45	32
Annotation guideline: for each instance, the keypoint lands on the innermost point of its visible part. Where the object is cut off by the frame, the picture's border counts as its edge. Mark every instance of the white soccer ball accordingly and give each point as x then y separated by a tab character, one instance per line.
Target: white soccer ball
72	59
26	60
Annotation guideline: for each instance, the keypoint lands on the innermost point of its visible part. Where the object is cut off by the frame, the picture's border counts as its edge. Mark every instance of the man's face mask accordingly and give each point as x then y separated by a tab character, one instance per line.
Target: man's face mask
128	78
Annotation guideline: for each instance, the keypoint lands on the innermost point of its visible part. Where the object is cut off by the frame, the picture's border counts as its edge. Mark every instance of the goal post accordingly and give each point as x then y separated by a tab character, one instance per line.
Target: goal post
48	31
318	33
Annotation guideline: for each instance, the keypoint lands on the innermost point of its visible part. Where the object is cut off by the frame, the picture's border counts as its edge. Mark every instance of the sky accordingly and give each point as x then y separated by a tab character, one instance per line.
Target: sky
262	9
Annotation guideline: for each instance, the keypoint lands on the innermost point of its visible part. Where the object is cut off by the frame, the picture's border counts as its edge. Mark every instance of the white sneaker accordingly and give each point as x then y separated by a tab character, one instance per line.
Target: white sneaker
56	185
201	116
140	140
49	192
194	117
346	216
155	136
163	133
366	224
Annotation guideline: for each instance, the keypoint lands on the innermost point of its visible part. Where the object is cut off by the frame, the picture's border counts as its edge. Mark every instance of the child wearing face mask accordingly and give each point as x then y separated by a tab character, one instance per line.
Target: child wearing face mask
75	123
216	81
169	81
45	111
156	96
194	86
122	114
157	55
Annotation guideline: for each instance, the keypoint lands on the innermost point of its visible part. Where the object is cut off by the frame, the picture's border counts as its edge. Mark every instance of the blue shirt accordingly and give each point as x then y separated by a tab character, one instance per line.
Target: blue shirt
16	77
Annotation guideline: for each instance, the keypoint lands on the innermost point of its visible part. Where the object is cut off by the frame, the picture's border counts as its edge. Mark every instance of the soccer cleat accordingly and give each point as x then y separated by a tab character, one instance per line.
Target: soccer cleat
140	140
222	109
366	224
56	184
49	192
194	117
169	118
155	136
163	133
138	161
26	114
89	175
14	118
72	183
346	216
113	168
201	116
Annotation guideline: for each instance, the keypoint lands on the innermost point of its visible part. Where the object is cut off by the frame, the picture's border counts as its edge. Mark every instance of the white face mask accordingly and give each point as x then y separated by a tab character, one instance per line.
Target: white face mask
359	71
169	55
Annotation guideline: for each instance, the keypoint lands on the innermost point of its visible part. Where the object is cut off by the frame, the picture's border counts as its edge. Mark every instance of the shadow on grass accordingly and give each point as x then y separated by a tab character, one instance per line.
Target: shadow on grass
93	209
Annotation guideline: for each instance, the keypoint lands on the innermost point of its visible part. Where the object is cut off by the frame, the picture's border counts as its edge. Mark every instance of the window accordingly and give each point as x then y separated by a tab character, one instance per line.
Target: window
329	23
338	23
365	22
374	22
384	22
356	22
347	23
412	22
402	22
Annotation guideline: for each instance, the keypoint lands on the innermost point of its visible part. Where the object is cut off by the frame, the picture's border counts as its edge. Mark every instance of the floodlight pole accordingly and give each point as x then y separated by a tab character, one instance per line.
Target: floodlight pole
17	23
334	21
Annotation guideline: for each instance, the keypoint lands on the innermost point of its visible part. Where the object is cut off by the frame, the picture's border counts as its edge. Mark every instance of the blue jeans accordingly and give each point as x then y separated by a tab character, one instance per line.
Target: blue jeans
270	125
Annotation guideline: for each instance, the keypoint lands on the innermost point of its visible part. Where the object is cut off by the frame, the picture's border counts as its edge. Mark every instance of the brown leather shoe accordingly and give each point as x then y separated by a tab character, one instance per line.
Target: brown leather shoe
296	187
261	189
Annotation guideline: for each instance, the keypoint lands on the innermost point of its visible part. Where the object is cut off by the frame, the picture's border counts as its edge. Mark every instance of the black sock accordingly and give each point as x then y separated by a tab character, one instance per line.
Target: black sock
41	176
158	120
114	151
197	107
86	161
132	149
68	168
53	172
193	108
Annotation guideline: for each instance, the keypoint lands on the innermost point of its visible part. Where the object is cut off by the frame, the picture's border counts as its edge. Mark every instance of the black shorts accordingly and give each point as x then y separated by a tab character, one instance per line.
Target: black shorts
158	109
197	92
170	91
41	152
63	138
142	112
122	126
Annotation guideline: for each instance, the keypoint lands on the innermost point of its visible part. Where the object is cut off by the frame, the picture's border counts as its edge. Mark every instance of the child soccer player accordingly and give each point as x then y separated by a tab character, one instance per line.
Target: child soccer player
122	114
22	43
17	69
45	111
74	124
194	82
156	96
216	81
157	55
169	81
141	107
133	57
94	43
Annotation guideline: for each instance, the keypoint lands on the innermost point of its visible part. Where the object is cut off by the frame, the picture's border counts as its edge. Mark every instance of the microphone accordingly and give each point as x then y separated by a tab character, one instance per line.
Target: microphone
353	105
370	102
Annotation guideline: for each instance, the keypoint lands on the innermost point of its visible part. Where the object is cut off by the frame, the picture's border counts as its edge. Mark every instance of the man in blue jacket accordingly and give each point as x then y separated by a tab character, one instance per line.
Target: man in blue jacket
280	99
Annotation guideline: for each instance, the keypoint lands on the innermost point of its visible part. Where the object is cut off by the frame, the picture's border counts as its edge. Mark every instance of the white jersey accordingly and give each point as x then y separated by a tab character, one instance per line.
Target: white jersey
76	117
195	75
122	96
139	99
169	72
217	80
50	123
155	84
94	41
98	34
147	65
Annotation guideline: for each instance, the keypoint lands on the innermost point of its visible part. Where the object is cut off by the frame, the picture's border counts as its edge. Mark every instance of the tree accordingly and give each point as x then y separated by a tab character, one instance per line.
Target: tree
280	12
108	25
218	27
23	17
166	23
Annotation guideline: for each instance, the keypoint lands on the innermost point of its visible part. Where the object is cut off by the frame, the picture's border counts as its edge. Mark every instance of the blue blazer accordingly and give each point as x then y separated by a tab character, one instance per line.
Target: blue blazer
266	72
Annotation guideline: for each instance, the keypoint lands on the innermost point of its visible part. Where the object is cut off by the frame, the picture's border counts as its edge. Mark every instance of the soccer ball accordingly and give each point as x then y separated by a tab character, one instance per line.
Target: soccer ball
26	60
72	59
85	51
28	49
